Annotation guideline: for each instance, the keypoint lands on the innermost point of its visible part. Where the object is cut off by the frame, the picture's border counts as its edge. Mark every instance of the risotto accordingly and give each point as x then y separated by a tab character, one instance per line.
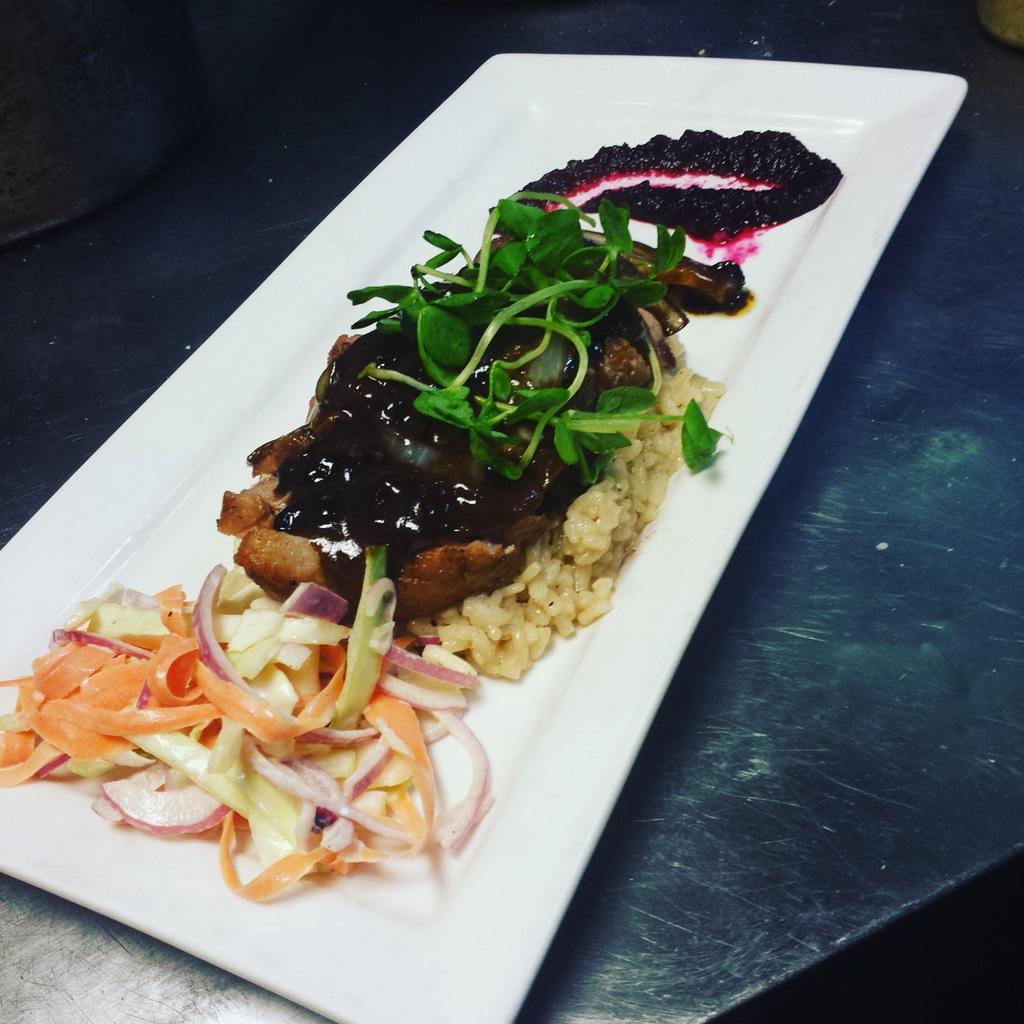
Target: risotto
569	576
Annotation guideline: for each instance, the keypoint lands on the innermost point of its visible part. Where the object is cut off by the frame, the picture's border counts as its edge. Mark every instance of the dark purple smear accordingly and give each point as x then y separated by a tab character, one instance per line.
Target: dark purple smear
713	186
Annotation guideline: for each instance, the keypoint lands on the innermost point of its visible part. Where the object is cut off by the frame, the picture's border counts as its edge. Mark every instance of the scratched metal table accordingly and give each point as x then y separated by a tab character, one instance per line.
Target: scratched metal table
842	742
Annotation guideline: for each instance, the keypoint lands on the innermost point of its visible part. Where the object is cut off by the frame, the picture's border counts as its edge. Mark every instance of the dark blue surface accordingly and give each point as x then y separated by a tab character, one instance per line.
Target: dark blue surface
842	742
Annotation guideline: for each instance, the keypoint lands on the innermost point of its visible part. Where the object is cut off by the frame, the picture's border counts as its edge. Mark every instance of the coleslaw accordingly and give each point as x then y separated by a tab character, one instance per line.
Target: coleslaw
238	711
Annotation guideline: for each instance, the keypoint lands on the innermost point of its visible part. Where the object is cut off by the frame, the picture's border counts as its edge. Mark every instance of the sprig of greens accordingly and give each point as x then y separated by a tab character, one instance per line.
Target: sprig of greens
536	270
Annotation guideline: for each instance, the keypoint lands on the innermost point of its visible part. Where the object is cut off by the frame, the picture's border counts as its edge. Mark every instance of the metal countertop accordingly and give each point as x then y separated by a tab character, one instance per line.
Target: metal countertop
842	743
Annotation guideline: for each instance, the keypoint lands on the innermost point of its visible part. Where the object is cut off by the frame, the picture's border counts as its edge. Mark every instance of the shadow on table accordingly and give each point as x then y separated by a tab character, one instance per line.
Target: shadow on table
957	959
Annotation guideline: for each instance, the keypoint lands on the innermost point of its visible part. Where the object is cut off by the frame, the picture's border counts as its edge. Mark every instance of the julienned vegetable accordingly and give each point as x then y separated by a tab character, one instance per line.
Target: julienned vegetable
216	713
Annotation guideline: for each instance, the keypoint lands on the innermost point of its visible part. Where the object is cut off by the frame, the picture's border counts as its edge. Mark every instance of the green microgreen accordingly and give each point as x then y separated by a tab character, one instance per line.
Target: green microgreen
671	246
536	276
450	405
700	442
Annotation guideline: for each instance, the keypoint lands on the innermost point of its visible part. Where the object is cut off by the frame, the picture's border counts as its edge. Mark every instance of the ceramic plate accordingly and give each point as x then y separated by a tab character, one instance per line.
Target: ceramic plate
459	938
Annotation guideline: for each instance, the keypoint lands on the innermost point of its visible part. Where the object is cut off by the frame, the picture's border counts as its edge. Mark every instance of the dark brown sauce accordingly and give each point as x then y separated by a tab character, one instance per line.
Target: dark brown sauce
739	308
378	472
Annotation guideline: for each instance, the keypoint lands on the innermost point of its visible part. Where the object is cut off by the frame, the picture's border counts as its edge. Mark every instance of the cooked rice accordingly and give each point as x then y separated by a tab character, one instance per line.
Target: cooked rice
569	576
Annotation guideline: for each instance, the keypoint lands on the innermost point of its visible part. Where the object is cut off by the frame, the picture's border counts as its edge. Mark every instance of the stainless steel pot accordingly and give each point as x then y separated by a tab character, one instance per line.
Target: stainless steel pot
94	96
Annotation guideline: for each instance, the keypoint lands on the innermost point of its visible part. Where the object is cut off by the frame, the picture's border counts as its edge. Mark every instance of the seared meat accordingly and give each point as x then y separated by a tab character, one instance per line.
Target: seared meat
367	468
279	562
441	576
254	506
268	457
621	365
435	578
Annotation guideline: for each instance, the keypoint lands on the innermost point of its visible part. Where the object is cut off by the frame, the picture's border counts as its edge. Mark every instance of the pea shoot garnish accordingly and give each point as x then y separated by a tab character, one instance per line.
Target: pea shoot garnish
538	275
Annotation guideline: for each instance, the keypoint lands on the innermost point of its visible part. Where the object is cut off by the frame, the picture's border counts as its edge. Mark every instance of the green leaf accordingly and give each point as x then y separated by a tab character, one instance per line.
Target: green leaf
509	259
389	326
670	249
537	401
597	297
484	452
641	293
700	441
556	235
615	224
625	400
441	241
518	219
602	443
444	336
501	384
389	292
565	443
442	258
450	406
473	307
585	262
485	427
372	318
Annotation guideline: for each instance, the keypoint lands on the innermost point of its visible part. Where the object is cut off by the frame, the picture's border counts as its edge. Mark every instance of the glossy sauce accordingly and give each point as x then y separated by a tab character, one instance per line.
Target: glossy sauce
376	471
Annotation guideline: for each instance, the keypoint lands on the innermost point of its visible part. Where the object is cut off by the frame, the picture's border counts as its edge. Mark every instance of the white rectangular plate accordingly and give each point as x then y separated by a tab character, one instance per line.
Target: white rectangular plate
563	739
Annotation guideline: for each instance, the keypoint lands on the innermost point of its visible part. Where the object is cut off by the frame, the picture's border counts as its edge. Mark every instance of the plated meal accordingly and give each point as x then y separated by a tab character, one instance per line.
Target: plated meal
473	470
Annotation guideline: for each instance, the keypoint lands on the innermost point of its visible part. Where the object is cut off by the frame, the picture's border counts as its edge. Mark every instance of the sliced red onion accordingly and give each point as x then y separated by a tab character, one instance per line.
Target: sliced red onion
317	602
423	697
338	835
307	781
78	636
144	695
459	821
135	599
339	737
52	766
210	652
105	809
429	641
168	812
361	779
314	775
433	731
414	663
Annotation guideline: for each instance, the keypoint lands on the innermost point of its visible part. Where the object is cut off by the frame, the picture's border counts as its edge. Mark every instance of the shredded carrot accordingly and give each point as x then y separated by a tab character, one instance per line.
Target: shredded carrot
172	613
73	740
131	721
17	682
16	774
171	670
332	658
62	672
319	711
262	719
115	685
274	879
398	721
15	747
